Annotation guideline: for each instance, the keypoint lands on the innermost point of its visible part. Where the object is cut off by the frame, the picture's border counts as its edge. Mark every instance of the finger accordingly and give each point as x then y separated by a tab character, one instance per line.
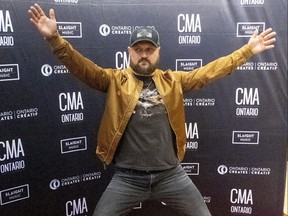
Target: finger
32	14
33	21
271	41
266	32
255	33
35	13
39	10
270	35
52	14
269	47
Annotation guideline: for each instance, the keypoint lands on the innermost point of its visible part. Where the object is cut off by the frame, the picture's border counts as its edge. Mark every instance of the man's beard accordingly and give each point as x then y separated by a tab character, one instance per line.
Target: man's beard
144	71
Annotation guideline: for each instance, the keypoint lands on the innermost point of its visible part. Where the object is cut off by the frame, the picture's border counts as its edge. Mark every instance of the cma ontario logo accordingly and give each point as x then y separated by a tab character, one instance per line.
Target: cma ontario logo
70	103
241	200
247	100
6	28
11	156
122	60
189	28
76	207
192	136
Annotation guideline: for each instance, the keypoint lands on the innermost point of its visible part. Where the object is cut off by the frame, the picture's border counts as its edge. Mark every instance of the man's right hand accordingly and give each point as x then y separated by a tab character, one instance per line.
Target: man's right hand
46	26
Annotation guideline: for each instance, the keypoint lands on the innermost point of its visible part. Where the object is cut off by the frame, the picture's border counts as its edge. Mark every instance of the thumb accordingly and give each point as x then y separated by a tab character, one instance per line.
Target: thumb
255	33
52	14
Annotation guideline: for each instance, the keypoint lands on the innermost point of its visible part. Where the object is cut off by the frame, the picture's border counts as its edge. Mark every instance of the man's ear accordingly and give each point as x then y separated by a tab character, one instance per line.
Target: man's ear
129	50
159	49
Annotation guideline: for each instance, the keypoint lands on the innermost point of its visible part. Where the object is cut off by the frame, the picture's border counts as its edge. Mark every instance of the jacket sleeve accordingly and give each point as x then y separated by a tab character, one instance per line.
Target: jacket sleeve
214	70
83	68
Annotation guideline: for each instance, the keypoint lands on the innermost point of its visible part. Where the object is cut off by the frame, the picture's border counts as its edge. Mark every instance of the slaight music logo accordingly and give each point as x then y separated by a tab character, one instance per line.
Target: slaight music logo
6	29
245	137
70	29
241	200
189	28
14	194
9	72
192	136
188	64
191	168
73	144
70	103
12	156
246	29
76	207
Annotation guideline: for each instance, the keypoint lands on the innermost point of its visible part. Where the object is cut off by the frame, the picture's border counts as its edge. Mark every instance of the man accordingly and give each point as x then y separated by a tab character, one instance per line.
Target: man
142	130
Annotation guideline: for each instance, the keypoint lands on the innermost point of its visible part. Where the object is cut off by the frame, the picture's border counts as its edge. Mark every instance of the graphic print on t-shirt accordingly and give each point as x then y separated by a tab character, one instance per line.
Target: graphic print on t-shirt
150	102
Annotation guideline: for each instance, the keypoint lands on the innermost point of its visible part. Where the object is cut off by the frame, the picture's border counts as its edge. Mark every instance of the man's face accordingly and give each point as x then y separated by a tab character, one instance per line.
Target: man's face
144	57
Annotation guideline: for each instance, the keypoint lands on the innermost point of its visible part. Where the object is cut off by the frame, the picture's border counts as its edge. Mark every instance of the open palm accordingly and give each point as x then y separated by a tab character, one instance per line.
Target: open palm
46	26
261	42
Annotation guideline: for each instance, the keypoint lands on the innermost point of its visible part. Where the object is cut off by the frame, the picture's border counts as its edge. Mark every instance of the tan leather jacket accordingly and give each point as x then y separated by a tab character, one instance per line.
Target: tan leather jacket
123	90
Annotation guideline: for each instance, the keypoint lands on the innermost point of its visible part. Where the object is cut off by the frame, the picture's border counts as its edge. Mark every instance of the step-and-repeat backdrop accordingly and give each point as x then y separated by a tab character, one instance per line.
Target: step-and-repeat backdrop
236	127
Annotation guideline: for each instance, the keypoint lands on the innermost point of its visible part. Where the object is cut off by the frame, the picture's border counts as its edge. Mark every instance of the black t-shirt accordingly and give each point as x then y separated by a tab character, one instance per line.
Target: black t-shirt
148	141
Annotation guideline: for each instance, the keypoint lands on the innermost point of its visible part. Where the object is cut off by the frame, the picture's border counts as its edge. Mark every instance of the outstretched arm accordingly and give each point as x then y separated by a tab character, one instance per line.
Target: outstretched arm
223	66
46	26
83	68
261	42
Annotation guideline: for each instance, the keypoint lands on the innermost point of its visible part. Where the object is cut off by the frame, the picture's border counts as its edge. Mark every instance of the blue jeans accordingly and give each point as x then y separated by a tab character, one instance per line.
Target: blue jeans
128	188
